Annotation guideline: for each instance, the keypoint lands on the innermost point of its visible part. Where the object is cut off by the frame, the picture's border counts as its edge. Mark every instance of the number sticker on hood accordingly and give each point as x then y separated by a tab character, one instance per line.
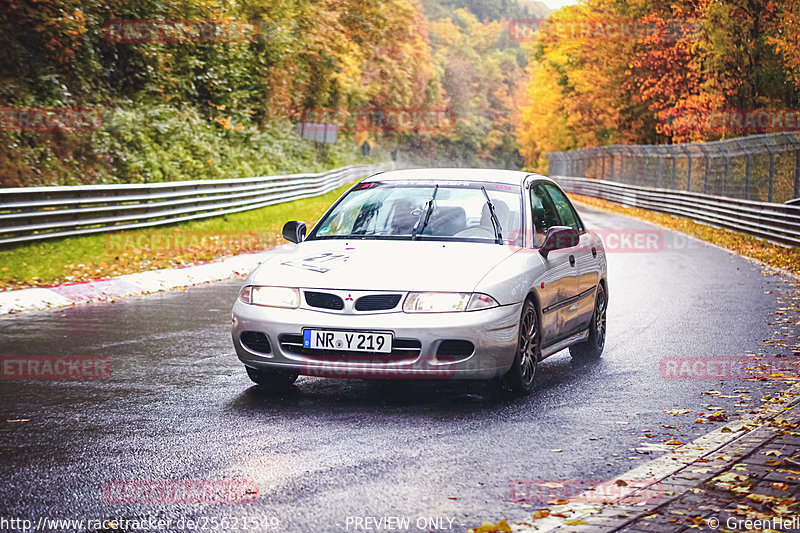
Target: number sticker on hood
322	262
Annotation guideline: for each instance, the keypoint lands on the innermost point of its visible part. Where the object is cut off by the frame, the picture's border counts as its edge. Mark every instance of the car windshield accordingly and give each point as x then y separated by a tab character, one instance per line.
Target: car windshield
456	211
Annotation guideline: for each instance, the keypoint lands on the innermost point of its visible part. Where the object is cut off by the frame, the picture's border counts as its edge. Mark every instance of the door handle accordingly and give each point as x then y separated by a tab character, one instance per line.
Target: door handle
572	260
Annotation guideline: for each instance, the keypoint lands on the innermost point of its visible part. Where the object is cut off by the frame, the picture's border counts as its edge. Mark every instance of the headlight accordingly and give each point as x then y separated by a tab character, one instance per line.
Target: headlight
446	302
271	296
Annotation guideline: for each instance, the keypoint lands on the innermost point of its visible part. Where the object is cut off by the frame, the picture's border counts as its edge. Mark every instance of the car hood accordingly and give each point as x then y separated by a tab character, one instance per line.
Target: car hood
381	265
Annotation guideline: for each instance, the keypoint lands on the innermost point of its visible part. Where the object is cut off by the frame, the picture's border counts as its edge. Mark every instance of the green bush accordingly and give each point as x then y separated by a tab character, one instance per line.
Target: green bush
162	143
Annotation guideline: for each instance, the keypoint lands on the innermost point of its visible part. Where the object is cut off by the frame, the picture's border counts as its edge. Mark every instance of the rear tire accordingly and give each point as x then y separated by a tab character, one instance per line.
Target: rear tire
272	379
592	348
522	375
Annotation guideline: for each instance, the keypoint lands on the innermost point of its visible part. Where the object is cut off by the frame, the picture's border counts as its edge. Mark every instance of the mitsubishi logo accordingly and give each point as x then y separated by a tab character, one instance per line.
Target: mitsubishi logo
349	297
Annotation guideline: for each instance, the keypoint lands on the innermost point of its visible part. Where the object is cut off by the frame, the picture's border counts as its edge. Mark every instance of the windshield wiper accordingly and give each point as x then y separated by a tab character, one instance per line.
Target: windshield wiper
426	214
498	230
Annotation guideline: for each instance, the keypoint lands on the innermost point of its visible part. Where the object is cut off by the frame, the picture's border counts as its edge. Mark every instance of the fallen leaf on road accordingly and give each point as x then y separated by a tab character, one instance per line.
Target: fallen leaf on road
730	477
676	412
488	527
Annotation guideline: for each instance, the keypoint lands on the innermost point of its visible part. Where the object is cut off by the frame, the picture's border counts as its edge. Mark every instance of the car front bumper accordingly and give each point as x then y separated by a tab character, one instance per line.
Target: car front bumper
492	332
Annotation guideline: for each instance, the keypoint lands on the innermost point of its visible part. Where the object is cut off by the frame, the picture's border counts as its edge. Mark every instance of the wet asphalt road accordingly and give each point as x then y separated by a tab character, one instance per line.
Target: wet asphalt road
179	406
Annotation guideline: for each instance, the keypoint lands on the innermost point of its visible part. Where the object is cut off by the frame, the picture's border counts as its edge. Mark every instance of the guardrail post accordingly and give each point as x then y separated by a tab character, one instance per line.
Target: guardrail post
707	163
611	175
797	173
674	172
686	151
629	170
660	171
725	174
771	173
602	166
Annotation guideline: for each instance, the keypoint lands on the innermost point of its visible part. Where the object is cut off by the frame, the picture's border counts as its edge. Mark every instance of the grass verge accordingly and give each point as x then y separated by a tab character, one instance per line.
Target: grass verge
741	243
125	252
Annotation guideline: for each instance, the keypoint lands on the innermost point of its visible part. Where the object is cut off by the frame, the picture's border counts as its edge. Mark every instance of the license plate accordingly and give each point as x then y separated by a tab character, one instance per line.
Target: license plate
351	341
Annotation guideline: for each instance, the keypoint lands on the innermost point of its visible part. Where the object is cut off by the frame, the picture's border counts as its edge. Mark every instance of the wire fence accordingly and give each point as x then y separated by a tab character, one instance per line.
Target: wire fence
777	223
36	213
763	168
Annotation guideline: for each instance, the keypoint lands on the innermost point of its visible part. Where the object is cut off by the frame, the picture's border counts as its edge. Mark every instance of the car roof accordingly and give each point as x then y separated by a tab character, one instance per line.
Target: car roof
491	175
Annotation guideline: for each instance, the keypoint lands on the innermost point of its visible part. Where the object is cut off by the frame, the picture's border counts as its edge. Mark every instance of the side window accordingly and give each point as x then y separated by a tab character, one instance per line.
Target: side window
544	213
565	210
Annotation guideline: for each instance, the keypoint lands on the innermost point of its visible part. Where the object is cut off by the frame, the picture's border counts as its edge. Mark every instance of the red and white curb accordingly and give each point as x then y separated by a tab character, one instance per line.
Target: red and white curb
128	285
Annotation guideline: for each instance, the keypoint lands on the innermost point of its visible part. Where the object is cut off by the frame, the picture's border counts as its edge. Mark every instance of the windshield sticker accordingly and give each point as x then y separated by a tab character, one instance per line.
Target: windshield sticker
324	230
431	183
322	263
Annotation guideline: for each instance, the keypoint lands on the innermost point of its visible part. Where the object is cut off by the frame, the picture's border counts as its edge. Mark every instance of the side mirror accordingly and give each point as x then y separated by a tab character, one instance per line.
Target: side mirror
294	231
559	237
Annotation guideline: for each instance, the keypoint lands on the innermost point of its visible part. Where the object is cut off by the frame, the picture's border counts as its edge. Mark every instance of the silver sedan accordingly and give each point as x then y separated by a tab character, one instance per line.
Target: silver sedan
426	274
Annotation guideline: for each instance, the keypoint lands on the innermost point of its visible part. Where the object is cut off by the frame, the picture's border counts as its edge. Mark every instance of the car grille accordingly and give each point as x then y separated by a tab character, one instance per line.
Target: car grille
378	302
401	349
256	341
324	300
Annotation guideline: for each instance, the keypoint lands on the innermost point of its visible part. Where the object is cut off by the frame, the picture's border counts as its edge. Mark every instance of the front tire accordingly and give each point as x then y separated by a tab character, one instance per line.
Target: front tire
522	375
592	348
272	379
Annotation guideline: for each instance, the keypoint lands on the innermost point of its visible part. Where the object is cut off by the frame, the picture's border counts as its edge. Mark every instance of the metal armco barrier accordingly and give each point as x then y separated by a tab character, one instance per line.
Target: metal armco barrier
778	223
763	168
36	213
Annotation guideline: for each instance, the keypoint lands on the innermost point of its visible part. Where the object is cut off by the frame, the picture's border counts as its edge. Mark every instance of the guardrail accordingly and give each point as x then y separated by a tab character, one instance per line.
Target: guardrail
37	213
777	223
763	168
